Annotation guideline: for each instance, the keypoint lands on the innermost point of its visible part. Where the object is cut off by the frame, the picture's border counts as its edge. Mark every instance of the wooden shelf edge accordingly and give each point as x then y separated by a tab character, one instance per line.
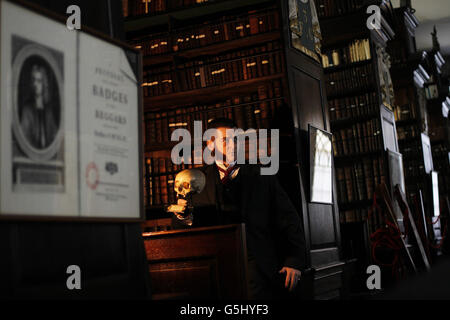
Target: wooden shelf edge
347	66
205	94
201	10
213	48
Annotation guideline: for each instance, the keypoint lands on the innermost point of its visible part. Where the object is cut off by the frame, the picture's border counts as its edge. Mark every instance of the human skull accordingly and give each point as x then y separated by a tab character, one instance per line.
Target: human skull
189	181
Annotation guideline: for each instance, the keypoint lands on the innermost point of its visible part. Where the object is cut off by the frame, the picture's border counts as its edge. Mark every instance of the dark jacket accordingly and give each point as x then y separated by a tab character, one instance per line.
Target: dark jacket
274	229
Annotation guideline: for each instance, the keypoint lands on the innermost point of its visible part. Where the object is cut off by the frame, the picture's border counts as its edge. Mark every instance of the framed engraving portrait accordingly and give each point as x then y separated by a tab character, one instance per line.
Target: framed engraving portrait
67	117
37	118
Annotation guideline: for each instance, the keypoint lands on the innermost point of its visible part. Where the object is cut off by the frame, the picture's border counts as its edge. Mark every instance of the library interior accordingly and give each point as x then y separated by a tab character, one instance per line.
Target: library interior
348	101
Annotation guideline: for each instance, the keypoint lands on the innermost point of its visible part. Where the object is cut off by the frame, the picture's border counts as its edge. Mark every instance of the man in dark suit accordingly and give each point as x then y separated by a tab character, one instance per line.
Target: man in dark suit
240	194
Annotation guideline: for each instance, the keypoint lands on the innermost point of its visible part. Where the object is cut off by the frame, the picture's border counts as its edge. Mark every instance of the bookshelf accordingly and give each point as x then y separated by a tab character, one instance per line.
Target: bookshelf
438	102
410	80
413	78
234	59
361	106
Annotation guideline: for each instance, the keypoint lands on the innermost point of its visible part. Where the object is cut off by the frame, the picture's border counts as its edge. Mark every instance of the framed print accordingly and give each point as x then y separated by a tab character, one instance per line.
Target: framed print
386	85
389	129
445	107
63	112
435	193
321	166
109	136
396	176
304	28
427	155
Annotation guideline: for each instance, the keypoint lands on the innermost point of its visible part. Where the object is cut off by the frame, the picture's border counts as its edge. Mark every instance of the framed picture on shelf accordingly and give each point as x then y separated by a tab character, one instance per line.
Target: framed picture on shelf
70	137
304	28
396	177
427	155
321	166
435	193
389	129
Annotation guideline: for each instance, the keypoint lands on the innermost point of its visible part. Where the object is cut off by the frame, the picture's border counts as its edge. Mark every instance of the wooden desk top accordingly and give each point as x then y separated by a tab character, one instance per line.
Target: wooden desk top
191	230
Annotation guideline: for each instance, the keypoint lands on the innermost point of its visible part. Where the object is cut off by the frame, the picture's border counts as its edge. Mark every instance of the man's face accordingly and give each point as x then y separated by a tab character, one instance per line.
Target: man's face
37	83
225	144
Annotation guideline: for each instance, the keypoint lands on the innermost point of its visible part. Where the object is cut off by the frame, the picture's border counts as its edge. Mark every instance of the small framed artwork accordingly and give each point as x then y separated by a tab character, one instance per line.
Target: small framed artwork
304	28
389	129
435	192
427	155
396	176
321	166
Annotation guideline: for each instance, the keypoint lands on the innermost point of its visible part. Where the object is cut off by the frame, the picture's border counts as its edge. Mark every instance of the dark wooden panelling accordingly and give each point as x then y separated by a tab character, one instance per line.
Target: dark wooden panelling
324	219
308	97
194	278
329	281
330	295
205	263
35	257
327	256
108	250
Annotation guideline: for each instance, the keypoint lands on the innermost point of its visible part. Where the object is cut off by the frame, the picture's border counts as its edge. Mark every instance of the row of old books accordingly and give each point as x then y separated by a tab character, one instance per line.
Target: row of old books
413	171
412	150
345	82
408	132
354	215
405	112
361	137
353	107
358	181
356	51
365	215
440	150
158	180
143	7
331	8
253	110
413	162
236	66
207	34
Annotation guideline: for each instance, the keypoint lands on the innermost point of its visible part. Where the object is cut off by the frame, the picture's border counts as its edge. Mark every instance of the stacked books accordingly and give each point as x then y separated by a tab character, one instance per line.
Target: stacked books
358	50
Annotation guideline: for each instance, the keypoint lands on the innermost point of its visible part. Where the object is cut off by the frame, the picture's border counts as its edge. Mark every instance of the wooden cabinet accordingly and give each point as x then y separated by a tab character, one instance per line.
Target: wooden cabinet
202	263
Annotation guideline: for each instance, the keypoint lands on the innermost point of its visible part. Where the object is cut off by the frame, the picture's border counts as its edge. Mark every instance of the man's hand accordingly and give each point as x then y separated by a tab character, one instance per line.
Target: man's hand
182	203
181	207
292	277
178	209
